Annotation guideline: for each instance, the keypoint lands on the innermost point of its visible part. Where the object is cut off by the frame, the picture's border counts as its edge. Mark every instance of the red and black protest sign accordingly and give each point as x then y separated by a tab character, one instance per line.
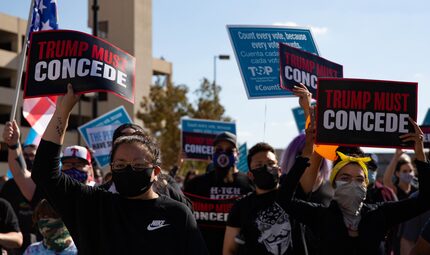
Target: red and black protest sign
198	146
298	66
355	112
211	213
59	57
426	131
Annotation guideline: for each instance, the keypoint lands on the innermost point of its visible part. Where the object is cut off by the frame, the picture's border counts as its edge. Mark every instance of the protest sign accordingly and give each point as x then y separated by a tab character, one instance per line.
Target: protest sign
257	55
372	113
299	117
427	118
426	131
98	133
242	163
198	135
211	213
298	66
90	64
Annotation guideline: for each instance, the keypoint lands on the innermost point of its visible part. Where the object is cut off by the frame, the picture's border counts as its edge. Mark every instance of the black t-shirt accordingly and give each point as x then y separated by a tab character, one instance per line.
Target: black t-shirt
209	185
265	226
402	194
24	212
8	220
101	222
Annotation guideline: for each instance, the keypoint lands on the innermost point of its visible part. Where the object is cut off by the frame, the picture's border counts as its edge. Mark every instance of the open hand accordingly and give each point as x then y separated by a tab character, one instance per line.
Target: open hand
418	138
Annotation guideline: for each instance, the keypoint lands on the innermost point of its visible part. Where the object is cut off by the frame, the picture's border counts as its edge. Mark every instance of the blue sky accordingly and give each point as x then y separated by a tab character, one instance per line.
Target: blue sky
372	39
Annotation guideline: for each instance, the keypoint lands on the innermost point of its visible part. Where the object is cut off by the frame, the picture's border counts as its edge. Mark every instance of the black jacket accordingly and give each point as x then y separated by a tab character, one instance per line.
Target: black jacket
328	225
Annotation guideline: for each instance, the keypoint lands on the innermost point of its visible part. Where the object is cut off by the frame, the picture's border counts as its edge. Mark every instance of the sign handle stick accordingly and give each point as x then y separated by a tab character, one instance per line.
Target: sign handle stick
21	64
265	118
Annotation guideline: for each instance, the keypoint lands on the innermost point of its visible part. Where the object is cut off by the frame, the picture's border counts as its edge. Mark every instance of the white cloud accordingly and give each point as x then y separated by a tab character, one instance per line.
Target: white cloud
315	30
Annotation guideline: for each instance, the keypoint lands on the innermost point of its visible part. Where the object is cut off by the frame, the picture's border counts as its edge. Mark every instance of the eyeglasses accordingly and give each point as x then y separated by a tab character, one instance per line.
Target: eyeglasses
137	165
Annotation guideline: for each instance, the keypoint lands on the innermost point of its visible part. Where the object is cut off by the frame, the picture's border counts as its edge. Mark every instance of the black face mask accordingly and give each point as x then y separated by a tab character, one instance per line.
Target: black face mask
266	177
130	183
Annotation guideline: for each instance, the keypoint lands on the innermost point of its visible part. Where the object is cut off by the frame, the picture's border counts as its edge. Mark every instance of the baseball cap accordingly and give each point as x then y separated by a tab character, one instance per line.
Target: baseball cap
77	151
225	136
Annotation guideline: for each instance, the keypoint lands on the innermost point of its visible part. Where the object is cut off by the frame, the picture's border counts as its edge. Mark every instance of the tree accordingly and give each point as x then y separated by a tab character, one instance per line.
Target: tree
208	104
166	105
161	114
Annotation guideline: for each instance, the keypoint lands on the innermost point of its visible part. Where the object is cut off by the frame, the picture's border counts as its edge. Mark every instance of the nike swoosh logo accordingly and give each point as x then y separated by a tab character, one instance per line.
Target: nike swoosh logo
150	228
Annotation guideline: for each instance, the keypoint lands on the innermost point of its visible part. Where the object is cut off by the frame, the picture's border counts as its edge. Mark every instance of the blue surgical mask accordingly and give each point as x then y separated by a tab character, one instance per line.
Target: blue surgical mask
224	160
406	177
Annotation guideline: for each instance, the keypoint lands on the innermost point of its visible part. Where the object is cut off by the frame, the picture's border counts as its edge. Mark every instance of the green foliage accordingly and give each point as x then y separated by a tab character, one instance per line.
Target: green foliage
167	104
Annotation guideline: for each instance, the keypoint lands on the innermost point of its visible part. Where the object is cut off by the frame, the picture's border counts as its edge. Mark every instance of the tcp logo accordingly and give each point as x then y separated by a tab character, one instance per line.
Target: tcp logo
260	70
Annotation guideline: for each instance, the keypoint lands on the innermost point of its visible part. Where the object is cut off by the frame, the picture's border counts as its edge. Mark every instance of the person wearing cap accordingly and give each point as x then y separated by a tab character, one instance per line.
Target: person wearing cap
76	163
224	182
348	225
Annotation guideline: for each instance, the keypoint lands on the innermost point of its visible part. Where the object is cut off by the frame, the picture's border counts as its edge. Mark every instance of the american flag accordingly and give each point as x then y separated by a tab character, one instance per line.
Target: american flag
38	111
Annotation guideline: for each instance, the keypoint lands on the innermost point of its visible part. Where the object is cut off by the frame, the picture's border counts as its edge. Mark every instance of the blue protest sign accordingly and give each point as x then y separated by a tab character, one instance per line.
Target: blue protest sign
242	164
198	135
427	118
299	116
257	53
98	133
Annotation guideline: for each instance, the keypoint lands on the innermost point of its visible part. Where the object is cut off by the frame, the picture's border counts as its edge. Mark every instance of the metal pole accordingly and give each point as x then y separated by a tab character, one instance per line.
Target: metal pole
21	64
215	57
95	8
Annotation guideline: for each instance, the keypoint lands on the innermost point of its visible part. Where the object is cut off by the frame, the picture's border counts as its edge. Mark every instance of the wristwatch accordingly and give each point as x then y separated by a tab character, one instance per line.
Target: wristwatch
13	147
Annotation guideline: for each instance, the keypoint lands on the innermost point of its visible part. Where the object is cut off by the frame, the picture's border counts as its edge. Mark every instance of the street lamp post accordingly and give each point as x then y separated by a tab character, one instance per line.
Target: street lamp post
221	57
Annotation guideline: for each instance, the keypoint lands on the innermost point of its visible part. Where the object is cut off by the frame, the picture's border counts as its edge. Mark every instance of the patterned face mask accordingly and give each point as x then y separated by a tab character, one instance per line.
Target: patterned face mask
56	237
76	174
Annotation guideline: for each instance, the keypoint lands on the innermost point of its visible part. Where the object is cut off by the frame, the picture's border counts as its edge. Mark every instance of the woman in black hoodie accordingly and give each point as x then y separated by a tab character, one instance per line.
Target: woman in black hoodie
348	226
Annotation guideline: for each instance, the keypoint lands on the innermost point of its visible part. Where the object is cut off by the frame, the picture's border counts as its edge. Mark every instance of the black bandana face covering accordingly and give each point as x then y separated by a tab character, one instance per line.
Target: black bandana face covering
130	183
266	177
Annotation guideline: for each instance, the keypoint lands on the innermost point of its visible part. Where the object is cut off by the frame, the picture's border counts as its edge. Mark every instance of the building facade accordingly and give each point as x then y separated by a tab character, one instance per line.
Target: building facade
126	24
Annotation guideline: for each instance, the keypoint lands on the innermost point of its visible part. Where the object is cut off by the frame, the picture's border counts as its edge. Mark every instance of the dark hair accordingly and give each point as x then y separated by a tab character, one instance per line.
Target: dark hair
118	131
149	144
259	147
350	151
43	209
399	164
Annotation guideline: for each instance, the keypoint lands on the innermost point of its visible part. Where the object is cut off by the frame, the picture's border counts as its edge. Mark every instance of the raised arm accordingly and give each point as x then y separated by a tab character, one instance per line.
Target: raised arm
308	178
389	171
397	212
64	193
57	126
16	161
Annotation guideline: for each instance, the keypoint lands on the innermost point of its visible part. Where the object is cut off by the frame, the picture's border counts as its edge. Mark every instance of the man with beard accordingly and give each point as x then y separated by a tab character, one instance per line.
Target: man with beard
224	182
